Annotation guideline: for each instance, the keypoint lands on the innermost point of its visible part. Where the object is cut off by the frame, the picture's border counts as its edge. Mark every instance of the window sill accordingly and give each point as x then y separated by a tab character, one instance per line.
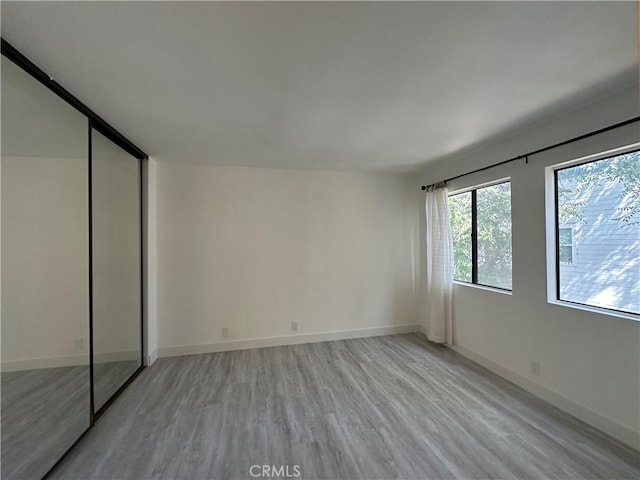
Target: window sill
601	311
482	287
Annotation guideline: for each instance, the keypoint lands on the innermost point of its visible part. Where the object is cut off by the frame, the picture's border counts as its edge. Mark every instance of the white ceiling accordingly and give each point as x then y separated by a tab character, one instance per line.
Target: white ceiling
354	86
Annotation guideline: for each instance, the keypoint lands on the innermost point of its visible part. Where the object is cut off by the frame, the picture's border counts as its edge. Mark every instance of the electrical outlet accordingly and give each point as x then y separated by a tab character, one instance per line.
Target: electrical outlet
534	368
294	326
225	332
78	344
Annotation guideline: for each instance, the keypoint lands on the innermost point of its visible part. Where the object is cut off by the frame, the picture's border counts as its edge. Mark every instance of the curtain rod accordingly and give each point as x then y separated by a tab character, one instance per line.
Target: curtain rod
526	156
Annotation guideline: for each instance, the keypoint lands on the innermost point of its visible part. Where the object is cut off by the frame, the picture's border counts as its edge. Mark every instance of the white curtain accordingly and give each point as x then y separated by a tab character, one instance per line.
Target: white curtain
439	267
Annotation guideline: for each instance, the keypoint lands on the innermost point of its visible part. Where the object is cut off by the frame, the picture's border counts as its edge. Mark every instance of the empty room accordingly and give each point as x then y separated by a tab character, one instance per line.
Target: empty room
320	240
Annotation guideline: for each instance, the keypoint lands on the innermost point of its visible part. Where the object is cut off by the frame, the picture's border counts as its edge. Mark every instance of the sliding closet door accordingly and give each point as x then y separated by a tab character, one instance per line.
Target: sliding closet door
45	276
115	208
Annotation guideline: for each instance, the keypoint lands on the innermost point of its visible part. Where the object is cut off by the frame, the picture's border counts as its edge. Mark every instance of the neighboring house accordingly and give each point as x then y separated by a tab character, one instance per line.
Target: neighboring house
599	254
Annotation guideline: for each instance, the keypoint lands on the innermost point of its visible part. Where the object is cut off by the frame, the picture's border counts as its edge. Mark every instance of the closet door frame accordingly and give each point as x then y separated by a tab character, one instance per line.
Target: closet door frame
96	414
94	122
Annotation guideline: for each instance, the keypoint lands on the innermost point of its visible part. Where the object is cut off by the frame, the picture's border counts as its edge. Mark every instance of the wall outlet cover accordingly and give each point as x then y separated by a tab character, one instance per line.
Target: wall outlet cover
535	367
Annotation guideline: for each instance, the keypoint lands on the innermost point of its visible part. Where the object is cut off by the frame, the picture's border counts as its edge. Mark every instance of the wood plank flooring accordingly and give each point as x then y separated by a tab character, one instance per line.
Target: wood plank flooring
374	408
108	377
44	411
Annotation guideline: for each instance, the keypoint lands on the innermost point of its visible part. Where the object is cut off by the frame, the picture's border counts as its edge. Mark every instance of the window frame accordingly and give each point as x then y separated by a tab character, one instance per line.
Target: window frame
553	241
474	233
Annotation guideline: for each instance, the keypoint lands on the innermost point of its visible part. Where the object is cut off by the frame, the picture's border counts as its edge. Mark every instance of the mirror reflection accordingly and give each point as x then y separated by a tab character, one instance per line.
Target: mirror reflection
116	267
45	276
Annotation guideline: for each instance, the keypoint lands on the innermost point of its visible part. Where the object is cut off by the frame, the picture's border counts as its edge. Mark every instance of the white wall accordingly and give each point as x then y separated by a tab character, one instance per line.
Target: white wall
589	362
45	236
255	249
150	257
115	252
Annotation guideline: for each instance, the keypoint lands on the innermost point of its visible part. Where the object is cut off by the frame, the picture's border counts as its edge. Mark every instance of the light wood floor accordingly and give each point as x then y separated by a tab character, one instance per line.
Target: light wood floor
44	411
385	407
108	377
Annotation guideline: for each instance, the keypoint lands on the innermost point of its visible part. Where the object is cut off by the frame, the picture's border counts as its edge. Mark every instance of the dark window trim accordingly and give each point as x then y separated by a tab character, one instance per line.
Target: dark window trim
556	221
474	234
492	287
606	156
595	307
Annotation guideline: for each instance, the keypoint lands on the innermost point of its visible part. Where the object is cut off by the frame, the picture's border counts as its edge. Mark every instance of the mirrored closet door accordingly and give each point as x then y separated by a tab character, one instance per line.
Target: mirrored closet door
71	272
45	276
115	207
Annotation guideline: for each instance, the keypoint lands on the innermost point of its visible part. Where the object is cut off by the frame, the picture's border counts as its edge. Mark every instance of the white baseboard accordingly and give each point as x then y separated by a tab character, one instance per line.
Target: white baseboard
108	357
601	422
67	361
152	357
584	413
45	362
229	345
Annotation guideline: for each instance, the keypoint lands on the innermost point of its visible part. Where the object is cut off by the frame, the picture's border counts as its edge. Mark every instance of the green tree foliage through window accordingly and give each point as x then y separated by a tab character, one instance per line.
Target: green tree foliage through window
574	181
494	235
598	236
493	206
460	218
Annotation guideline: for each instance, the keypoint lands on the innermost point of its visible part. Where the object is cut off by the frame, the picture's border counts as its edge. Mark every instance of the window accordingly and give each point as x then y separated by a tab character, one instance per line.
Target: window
565	244
481	231
460	218
598	207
